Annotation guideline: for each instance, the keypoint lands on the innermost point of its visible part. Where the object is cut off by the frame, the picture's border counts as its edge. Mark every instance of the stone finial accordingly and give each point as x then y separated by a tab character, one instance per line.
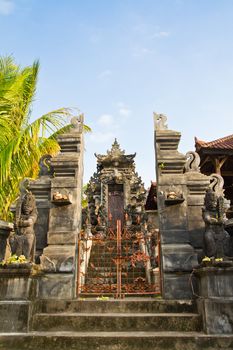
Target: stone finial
115	150
217	184
193	162
45	165
77	123
115	154
160	121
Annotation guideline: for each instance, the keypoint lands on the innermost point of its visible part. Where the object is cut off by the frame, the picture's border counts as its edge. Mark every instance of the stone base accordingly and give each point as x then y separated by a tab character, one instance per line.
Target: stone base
57	285
215	303
215	281
217	315
14	316
17	284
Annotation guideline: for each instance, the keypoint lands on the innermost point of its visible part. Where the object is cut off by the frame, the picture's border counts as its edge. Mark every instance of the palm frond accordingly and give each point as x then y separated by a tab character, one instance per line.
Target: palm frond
22	142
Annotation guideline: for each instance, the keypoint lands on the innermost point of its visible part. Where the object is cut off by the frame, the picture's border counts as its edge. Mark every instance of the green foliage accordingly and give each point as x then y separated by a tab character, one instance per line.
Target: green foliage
102	298
23	141
84	197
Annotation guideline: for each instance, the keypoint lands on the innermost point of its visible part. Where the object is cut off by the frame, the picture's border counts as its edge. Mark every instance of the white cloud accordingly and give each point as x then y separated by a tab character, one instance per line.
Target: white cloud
141	51
105	74
124	110
160	34
101	137
6	7
106	120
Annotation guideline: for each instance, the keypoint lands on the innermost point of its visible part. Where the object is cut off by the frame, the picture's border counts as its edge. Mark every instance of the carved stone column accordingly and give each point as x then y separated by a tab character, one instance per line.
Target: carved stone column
197	183
59	257
177	254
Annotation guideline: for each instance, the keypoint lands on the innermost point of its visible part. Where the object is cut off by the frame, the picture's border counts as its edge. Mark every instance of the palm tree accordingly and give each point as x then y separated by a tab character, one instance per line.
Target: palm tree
22	141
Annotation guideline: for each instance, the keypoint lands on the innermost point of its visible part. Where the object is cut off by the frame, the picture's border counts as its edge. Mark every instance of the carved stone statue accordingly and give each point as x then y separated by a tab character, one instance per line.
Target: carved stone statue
77	123
92	213
160	121
216	239
101	216
23	242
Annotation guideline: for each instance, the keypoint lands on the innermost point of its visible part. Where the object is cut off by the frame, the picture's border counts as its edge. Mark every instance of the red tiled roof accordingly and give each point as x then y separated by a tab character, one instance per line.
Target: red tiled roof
223	143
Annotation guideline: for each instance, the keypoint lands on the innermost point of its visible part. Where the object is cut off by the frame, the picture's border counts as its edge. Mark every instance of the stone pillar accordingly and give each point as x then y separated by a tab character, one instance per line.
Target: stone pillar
59	257
177	254
197	183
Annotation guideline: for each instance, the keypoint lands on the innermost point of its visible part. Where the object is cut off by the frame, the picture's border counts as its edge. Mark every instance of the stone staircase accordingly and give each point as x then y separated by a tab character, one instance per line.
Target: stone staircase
129	324
102	267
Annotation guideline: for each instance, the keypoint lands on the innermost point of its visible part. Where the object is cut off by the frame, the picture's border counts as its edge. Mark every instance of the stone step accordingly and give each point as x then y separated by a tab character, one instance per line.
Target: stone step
110	264
117	322
114	268
128	275
127	305
115	340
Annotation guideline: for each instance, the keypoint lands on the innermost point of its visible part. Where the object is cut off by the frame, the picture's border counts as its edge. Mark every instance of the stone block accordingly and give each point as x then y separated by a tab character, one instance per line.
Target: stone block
62	237
63	182
14	316
63	218
177	286
175	236
178	257
173	217
58	258
52	286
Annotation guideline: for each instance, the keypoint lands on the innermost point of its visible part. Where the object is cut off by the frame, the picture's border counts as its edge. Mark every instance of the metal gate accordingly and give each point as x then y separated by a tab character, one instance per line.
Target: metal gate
119	263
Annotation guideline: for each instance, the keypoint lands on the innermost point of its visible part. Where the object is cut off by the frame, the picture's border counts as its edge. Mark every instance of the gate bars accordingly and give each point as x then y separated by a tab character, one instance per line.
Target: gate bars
119	262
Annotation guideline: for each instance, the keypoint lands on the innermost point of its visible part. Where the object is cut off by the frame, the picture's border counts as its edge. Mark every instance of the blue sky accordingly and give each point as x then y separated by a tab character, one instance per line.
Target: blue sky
120	60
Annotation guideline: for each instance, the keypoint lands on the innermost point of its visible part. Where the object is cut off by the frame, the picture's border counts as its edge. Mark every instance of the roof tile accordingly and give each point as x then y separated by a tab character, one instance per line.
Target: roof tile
222	143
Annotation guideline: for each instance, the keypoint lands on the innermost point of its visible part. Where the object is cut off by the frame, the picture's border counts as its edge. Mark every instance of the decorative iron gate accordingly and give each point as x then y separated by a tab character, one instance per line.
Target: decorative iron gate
119	263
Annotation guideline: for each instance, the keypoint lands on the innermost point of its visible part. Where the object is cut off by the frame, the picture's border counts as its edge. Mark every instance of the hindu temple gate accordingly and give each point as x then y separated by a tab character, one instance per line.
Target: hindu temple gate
117	247
114	249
